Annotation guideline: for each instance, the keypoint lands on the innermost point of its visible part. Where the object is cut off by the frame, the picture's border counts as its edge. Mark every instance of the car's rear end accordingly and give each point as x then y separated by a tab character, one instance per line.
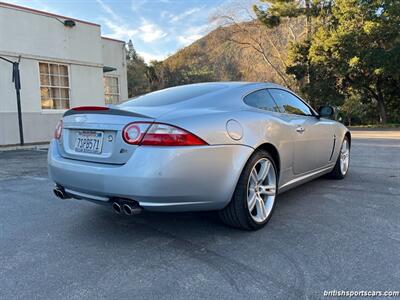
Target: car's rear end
127	156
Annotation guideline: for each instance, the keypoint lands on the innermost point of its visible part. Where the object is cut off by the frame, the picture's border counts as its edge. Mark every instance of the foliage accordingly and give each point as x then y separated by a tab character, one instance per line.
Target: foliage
353	49
363	47
345	53
353	111
137	72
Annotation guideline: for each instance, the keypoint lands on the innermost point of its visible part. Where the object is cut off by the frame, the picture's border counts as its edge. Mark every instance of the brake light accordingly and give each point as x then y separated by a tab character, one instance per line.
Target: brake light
167	135
159	134
133	132
88	108
58	130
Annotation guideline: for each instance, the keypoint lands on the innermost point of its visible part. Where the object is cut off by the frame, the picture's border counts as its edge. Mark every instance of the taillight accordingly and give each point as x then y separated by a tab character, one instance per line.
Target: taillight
133	132
158	134
167	135
88	108
58	131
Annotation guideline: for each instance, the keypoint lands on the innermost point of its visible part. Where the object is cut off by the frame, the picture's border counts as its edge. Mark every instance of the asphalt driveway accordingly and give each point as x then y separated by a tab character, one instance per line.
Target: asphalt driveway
325	235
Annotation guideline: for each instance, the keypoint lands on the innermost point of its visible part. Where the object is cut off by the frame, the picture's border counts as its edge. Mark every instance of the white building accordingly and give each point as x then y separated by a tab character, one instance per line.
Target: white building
63	65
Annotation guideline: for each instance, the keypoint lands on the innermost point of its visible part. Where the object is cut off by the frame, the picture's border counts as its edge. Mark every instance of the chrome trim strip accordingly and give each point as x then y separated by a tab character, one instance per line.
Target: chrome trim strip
333	148
305	176
153	204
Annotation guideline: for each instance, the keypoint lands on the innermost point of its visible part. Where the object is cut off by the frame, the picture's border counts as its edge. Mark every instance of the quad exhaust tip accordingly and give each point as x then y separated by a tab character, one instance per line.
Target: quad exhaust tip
131	209
128	209
60	193
116	207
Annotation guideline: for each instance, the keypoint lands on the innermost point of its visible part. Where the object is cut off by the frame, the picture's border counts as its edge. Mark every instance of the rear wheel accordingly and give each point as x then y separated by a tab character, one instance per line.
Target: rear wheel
253	201
342	164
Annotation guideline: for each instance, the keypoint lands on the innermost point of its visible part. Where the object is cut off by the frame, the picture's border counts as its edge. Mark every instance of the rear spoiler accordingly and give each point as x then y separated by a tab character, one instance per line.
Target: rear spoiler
102	110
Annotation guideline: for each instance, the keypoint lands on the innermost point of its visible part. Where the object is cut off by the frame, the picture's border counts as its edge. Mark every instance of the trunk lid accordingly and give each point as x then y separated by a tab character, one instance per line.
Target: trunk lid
96	135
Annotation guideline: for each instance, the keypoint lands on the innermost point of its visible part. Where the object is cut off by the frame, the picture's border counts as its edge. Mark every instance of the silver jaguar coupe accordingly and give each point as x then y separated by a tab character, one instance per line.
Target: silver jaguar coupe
226	146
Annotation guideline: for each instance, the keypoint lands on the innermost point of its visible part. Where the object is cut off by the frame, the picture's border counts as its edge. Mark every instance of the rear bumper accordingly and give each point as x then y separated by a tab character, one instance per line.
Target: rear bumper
159	178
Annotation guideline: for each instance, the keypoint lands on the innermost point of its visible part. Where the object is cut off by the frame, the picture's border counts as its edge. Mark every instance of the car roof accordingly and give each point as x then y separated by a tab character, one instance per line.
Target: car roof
201	93
237	83
244	86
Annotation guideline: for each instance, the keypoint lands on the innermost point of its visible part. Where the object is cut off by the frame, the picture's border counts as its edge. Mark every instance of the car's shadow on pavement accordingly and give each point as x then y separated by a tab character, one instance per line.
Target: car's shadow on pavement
177	241
201	239
100	222
103	222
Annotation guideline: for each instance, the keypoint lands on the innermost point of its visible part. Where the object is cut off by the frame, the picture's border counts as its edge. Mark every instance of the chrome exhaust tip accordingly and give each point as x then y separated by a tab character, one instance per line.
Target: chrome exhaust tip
116	207
57	193
131	209
60	193
127	209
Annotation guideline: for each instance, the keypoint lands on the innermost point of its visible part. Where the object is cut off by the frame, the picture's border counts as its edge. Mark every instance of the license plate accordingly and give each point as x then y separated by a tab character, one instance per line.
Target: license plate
88	141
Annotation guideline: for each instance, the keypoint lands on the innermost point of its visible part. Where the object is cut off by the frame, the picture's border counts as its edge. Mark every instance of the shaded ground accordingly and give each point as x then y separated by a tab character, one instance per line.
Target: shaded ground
324	235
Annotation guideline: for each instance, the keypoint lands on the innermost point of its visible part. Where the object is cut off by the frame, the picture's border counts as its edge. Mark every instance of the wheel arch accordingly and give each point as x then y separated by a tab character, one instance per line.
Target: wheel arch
271	149
348	135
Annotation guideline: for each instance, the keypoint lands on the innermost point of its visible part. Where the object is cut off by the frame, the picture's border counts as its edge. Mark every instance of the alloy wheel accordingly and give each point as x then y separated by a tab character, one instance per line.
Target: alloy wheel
261	190
344	157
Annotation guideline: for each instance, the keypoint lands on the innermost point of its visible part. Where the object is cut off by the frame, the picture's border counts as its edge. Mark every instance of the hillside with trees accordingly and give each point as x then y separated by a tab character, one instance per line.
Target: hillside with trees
344	53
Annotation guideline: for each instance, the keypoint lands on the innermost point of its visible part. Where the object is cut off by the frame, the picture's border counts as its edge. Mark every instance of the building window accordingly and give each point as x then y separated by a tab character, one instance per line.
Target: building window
111	90
54	86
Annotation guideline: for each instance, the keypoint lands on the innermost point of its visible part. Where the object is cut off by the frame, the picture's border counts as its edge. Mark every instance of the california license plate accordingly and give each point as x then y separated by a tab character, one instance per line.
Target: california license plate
89	141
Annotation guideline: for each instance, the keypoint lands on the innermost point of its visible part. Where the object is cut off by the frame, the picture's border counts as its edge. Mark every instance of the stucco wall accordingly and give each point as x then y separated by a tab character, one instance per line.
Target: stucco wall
42	38
114	55
32	34
86	84
38	128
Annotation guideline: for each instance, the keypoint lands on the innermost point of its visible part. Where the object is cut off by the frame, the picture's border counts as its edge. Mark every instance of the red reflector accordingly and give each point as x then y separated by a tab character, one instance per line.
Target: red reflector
58	130
88	108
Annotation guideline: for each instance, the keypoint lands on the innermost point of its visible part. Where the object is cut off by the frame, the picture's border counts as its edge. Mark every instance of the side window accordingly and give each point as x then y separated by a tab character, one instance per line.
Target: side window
261	99
289	103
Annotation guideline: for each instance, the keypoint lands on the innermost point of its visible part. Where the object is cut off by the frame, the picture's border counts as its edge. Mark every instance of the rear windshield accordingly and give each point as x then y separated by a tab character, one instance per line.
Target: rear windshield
174	95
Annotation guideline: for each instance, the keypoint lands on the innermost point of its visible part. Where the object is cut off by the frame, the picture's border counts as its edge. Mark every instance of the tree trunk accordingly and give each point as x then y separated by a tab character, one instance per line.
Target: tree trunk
382	111
378	96
381	103
308	19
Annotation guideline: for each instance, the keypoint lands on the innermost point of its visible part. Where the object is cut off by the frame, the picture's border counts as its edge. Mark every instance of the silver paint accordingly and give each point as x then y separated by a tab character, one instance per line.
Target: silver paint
234	129
200	177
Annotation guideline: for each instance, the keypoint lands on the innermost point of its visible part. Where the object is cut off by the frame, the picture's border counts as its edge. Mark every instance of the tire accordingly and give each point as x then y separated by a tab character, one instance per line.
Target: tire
237	213
338	171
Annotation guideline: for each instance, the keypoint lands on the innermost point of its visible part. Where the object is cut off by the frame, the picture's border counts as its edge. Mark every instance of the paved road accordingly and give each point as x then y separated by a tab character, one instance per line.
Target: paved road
324	235
376	134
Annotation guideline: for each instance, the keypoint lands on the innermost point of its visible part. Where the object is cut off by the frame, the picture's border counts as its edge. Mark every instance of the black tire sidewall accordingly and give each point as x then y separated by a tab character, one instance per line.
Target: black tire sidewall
241	190
336	173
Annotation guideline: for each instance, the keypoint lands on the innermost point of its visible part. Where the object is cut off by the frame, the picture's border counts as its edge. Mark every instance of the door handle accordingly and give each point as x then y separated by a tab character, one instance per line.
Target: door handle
300	129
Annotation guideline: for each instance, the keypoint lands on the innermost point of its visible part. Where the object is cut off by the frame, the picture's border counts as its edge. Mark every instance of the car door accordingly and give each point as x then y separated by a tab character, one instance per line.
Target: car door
314	137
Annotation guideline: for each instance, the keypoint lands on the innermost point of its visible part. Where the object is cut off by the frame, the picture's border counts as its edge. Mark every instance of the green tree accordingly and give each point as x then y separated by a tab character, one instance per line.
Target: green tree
349	45
352	109
361	49
137	72
314	83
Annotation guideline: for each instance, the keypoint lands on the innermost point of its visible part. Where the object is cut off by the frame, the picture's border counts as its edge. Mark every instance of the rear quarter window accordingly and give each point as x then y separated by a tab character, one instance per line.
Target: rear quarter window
261	99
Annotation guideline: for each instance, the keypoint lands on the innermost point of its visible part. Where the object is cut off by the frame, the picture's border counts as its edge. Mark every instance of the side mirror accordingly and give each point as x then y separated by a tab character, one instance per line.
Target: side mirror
326	111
